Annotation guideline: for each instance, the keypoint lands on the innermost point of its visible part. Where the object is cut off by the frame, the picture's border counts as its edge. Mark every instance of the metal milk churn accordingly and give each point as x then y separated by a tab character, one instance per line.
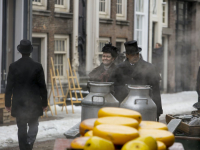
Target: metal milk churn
139	100
98	97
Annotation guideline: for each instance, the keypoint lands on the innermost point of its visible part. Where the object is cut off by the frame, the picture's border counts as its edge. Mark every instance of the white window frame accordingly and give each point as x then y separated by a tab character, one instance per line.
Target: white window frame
122	45
144	40
165	23
154	3
66	55
40	5
105	14
63	8
123	15
43	37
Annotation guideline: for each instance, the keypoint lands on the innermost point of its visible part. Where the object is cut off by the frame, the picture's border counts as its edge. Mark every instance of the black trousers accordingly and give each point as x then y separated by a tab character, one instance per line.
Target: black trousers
26	138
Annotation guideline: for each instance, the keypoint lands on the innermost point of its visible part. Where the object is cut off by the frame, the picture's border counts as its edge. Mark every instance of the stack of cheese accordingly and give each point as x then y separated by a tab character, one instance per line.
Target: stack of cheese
122	127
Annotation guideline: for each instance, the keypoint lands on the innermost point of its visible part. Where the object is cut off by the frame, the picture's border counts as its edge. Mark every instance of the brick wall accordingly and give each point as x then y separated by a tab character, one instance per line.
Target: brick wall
113	30
194	51
171	47
52	25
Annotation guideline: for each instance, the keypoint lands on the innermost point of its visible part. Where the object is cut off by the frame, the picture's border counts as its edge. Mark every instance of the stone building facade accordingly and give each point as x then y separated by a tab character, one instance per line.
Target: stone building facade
183	46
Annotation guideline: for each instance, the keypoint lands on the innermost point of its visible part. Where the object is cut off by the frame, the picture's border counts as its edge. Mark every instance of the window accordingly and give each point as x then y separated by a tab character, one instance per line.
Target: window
119	6
104	8
120	45
59	2
39	4
121	9
102	5
36	0
139	21
139	6
62	5
154	7
139	24
102	42
165	13
140	28
61	53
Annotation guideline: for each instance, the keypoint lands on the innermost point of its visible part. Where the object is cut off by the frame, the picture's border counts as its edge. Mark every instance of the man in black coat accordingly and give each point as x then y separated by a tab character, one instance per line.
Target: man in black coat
136	71
27	89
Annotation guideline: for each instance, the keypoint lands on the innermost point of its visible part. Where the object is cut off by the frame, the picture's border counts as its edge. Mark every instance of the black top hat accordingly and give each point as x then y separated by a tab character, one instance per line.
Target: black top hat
25	47
108	48
132	47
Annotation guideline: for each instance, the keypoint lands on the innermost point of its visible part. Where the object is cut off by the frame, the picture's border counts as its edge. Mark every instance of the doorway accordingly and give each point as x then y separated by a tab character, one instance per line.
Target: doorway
36	54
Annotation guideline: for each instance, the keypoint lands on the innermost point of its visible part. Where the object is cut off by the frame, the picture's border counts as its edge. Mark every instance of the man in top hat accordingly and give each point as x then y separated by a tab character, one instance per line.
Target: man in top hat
136	71
27	89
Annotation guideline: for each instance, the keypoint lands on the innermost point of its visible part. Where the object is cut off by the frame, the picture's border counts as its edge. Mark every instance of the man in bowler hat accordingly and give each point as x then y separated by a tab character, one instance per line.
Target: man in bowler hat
136	71
27	89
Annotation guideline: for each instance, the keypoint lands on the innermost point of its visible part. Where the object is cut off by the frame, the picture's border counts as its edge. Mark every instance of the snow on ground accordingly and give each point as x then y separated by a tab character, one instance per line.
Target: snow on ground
176	103
47	129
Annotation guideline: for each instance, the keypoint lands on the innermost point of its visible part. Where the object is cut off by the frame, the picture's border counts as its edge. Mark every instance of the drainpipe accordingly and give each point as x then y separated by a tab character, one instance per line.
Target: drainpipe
25	19
30	20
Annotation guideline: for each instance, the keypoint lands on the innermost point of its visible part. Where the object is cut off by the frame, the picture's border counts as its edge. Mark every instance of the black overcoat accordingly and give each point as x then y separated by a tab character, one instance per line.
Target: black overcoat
198	85
141	73
98	74
26	86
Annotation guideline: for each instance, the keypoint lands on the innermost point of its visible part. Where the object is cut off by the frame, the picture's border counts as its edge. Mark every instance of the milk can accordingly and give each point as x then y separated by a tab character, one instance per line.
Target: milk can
139	100
98	97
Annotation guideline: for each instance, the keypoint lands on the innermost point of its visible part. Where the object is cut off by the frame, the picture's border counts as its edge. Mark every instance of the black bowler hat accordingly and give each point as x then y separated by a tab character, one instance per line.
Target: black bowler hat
25	47
108	48
132	47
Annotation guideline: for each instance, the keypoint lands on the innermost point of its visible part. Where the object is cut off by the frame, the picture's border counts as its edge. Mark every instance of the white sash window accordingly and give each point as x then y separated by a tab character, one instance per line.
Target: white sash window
62	5
61	53
141	25
39	4
104	8
165	13
121	10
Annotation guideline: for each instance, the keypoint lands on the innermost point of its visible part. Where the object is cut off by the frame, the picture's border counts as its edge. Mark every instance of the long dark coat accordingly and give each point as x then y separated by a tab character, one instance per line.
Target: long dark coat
141	73
198	85
101	75
26	83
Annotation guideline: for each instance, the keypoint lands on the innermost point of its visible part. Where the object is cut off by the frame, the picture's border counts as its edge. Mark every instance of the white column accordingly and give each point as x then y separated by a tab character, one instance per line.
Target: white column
75	57
1	24
92	39
19	24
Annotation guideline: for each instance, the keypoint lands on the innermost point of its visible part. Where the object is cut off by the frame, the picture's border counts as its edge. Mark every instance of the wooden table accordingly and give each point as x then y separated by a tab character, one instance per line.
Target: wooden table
64	144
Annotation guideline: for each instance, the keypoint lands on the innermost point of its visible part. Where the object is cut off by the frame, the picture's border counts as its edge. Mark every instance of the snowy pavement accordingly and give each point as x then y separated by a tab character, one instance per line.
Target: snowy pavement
176	103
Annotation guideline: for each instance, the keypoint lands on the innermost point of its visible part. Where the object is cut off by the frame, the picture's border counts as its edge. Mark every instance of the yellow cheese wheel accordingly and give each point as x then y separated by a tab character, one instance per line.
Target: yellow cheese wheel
123	112
78	143
86	125
161	145
160	135
117	134
152	125
89	133
125	121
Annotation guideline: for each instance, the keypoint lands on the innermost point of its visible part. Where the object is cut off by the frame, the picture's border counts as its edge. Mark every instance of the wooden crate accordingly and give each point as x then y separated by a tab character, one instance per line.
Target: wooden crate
183	127
4	116
2	101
